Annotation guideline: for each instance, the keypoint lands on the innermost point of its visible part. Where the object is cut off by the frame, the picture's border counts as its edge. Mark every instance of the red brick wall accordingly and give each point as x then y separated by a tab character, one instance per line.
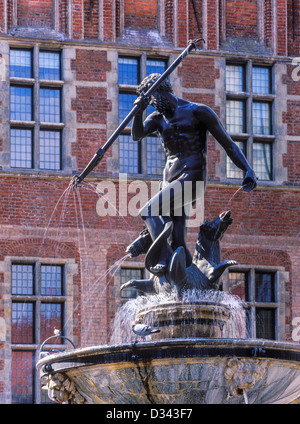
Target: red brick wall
293	22
63	16
282	27
35	13
108	20
259	212
1	14
241	18
91	105
212	25
141	14
198	72
268	22
195	15
91	20
169	21
291	117
90	65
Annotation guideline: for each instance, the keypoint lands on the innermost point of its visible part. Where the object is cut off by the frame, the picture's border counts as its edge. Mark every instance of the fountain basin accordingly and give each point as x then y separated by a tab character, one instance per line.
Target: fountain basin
192	319
176	371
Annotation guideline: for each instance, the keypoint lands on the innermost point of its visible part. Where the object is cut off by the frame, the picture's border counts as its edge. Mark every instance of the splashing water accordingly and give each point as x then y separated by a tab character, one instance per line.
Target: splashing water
234	194
122	326
91	285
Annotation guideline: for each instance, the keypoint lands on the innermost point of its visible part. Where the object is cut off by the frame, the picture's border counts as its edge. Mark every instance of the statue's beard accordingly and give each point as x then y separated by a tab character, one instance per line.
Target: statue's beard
161	104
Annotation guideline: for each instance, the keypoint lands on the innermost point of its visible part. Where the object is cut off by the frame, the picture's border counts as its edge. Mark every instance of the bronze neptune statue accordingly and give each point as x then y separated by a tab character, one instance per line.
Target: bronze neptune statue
183	127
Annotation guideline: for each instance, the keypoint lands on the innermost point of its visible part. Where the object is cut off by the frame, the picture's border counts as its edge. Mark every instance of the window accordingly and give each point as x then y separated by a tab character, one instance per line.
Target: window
147	156
232	170
38	303
249	104
257	289
35	109
130	274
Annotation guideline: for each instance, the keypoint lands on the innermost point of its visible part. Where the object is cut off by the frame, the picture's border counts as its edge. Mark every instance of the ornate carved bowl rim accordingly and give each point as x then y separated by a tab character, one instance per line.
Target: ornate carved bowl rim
197	305
170	348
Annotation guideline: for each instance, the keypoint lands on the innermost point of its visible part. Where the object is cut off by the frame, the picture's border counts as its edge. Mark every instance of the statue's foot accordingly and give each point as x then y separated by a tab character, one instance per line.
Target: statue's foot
145	286
140	245
159	268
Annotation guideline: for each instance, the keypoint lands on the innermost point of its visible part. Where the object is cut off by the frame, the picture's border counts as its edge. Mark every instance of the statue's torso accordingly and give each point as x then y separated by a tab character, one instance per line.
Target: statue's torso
184	140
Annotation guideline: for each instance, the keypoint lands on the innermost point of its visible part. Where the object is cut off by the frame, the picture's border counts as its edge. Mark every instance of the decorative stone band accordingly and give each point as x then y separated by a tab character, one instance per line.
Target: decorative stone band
187	371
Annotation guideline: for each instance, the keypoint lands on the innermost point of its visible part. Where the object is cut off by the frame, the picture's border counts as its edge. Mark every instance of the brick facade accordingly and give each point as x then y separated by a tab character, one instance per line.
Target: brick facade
91	35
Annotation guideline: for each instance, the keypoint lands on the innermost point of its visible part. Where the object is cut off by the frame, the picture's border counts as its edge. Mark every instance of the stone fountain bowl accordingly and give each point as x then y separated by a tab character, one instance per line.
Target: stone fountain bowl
192	319
175	371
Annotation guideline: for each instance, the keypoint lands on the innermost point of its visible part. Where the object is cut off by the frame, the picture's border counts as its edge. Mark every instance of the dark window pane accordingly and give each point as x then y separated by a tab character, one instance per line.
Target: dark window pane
20	63
235	116
265	323
129	155
128	71
130	274
50	150
239	285
49	65
125	105
261	81
156	157
50	105
20	148
248	322
22	369
22	279
22	322
261	114
264	287
51	280
232	171
234	78
51	317
262	160
155	66
20	103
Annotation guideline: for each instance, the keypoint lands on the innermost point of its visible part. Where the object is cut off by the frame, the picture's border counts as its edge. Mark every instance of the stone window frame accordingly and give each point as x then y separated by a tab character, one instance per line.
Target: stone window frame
117	280
68	125
248	97
36	125
280	278
70	270
124	298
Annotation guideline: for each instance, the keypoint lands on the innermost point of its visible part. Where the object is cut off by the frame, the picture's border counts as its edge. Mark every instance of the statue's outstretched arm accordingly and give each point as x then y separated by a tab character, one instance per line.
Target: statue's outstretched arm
216	128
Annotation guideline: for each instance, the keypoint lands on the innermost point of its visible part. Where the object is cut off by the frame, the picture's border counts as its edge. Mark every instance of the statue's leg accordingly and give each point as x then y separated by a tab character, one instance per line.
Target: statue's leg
155	226
179	235
156	213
